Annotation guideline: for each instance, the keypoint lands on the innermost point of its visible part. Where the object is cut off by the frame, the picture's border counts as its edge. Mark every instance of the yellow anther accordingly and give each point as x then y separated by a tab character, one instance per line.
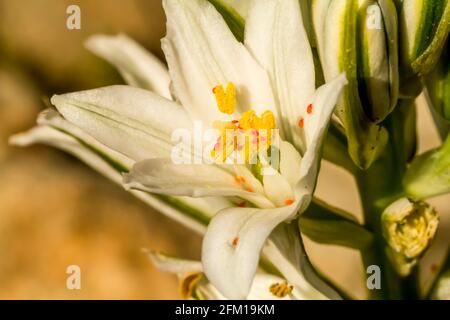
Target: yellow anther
281	290
250	120
230	98
247	120
226	100
268	120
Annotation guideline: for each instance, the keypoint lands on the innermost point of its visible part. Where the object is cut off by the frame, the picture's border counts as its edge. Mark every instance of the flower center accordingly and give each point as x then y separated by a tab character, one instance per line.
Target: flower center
246	136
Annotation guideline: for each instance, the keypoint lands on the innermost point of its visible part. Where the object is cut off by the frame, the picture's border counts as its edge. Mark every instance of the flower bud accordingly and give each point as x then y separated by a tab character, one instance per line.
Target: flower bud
378	56
360	39
408	228
429	174
424	30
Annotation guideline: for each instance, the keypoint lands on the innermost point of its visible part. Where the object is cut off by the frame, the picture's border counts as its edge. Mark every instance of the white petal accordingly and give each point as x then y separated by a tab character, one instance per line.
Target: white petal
315	127
319	9
60	140
130	120
285	249
241	6
163	177
277	38
277	188
333	28
232	245
52	118
59	133
174	265
290	163
138	67
250	179
202	52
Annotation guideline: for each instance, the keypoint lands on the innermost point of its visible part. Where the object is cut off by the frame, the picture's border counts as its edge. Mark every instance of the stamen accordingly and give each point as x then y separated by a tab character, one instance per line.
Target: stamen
281	290
226	100
188	283
247	120
247	128
230	98
268	120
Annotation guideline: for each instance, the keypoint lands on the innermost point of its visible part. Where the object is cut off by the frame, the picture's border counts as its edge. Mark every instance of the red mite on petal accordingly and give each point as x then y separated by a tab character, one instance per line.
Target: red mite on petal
242	204
309	109
288	201
235	242
239	179
301	122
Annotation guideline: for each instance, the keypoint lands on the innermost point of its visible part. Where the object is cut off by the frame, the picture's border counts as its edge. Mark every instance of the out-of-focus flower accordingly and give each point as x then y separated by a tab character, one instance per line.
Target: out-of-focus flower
202	54
408	228
360	38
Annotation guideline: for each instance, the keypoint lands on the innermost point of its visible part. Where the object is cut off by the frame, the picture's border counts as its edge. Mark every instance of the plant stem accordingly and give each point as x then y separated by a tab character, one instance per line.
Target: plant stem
378	186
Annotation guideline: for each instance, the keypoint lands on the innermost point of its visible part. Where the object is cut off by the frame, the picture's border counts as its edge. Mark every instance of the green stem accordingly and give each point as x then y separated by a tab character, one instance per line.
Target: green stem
380	185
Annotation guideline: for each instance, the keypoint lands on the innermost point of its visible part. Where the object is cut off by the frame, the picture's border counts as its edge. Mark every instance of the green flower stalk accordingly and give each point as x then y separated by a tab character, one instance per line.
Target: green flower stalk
360	38
408	228
438	85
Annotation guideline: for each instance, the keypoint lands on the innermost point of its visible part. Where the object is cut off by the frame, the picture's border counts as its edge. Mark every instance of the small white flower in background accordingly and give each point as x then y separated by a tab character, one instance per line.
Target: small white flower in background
270	81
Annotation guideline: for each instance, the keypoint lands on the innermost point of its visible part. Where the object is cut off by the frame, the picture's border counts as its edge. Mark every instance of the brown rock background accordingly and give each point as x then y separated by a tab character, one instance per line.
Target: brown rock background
55	211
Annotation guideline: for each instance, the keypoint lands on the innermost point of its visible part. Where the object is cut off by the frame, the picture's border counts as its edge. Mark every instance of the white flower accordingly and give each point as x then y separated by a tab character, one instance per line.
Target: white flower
272	72
194	284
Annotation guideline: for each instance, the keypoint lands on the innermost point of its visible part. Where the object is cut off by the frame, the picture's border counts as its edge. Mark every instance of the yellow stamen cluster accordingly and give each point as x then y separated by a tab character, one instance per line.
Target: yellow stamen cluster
248	135
281	290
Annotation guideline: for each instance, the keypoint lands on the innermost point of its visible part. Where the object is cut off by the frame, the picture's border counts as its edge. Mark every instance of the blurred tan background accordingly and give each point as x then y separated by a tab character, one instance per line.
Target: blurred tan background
55	211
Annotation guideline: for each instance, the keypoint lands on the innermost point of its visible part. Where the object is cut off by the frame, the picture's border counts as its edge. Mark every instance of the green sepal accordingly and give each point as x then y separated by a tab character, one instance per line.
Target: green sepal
233	19
325	224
